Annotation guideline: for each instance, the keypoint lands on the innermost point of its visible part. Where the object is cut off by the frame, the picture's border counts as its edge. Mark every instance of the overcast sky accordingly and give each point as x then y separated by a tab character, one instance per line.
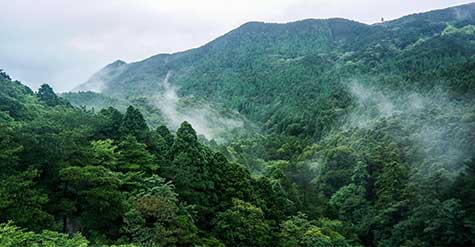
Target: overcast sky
62	42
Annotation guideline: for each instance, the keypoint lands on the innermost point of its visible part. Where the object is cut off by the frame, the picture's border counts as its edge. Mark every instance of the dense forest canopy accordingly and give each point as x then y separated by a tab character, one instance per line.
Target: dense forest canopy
311	133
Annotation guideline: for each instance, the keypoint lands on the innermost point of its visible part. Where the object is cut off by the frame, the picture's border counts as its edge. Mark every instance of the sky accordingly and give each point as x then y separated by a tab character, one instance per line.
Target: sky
63	42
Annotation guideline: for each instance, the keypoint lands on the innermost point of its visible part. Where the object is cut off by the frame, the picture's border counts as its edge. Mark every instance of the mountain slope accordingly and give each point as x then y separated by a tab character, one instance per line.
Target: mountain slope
97	82
293	78
369	140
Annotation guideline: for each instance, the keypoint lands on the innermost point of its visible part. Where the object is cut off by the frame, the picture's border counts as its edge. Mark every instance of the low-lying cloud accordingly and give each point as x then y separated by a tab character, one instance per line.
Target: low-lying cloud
205	119
433	123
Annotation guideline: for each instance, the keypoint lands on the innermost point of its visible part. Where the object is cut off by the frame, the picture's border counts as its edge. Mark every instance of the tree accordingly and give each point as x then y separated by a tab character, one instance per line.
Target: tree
188	168
464	188
157	145
204	178
242	225
23	201
155	217
337	169
230	181
110	124
299	231
4	76
434	223
11	236
9	150
134	123
105	153
98	203
353	207
48	97
164	132
134	156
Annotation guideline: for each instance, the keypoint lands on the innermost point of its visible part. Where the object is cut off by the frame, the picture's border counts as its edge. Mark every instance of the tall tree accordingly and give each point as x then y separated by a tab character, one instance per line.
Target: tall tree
47	96
110	124
163	131
134	123
98	202
464	188
243	225
134	156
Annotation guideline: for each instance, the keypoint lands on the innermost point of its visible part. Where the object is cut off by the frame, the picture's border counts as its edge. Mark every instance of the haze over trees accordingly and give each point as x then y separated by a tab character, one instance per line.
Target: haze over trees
311	133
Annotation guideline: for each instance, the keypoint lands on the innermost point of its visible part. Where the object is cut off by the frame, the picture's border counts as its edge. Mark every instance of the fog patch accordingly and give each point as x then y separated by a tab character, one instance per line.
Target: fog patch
98	82
435	125
462	14
204	118
370	106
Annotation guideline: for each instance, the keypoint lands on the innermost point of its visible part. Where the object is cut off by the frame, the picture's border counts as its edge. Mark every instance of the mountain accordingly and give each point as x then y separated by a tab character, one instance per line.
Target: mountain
311	133
97	82
291	78
74	177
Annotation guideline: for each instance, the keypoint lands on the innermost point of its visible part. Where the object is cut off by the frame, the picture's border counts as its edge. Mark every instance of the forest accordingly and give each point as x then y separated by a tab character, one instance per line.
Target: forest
312	133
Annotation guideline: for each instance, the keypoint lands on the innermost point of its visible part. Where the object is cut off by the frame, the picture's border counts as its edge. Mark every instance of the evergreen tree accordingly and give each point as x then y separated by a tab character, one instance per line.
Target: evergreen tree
134	156
189	168
11	236
48	97
164	132
105	153
464	188
98	204
155	216
110	125
242	225
23	201
134	123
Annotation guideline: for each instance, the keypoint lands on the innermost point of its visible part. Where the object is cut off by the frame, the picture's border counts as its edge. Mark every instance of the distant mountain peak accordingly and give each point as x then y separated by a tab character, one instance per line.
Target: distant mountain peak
98	82
117	63
261	44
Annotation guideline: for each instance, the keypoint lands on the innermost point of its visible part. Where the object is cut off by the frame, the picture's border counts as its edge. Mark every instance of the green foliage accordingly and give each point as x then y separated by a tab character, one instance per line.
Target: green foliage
299	231
242	225
23	200
96	100
133	123
155	218
110	124
105	153
134	156
94	195
164	132
71	170
11	235
360	136
47	96
16	99
434	224
204	178
464	189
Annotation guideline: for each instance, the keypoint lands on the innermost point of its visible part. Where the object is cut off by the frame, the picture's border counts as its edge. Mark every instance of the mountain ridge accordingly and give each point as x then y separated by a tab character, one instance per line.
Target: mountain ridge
266	70
317	133
385	23
447	14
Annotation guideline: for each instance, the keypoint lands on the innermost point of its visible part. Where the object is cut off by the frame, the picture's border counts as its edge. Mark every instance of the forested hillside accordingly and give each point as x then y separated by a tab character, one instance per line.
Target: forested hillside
311	133
293	78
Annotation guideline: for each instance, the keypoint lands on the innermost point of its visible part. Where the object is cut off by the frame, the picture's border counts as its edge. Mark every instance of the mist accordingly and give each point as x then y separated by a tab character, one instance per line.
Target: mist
434	124
204	118
98	82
